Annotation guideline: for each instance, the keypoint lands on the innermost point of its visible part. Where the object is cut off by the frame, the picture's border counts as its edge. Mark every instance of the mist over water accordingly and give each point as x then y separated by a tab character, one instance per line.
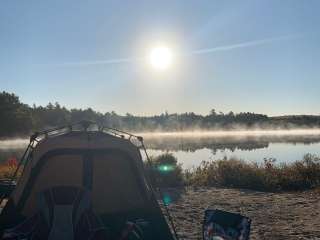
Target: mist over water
234	133
13	143
193	147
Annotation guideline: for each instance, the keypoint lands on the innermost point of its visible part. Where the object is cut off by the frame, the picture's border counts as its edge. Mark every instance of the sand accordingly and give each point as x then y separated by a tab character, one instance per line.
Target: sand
274	215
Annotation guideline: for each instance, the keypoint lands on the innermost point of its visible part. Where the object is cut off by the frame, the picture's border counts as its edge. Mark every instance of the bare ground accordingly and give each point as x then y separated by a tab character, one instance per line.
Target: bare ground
274	215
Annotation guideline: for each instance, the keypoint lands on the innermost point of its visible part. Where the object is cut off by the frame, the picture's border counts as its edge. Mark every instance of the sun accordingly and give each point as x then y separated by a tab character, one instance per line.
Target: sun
160	57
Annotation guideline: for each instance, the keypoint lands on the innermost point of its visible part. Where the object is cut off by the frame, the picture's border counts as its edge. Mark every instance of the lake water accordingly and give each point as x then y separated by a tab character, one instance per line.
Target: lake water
191	148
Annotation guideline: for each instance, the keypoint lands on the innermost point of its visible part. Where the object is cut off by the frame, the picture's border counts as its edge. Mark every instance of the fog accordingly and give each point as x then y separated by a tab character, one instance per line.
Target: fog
234	133
193	147
293	134
13	143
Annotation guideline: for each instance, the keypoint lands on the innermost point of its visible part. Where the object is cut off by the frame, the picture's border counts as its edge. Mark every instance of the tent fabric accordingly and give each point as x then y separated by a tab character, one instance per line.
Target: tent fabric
122	191
61	170
76	140
108	166
61	161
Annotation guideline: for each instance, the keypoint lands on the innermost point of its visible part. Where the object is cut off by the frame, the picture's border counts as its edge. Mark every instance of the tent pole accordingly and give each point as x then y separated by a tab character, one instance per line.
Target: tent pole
161	194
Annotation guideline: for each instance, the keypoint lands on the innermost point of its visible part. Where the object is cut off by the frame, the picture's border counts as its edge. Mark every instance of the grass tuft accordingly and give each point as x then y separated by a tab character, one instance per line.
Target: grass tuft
269	176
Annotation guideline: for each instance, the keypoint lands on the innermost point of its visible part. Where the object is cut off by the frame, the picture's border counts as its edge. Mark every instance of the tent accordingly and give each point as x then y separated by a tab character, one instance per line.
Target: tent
66	165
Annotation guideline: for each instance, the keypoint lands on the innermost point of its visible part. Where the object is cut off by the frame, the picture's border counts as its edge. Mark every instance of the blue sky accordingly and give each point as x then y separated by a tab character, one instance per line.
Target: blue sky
273	66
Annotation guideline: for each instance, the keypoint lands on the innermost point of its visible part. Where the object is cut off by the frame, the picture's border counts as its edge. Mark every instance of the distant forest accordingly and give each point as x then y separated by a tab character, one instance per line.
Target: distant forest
19	119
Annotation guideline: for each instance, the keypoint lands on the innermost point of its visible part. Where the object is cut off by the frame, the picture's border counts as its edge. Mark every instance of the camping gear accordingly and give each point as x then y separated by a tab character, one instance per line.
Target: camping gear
224	225
82	172
64	213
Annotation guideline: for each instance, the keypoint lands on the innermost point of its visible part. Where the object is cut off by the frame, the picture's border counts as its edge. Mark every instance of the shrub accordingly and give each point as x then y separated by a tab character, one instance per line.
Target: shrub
8	168
269	176
165	171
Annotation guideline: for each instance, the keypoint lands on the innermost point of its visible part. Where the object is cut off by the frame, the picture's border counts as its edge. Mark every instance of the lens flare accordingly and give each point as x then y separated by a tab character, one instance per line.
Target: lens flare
165	168
167	199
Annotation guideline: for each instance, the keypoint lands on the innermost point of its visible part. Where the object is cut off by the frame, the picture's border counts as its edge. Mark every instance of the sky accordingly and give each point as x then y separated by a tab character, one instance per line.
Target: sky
259	56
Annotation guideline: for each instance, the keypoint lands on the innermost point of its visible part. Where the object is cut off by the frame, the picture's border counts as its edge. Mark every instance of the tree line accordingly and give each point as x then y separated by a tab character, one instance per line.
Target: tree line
19	119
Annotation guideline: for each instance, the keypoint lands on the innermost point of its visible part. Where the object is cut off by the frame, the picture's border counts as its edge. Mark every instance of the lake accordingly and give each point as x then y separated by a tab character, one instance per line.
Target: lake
194	147
191	148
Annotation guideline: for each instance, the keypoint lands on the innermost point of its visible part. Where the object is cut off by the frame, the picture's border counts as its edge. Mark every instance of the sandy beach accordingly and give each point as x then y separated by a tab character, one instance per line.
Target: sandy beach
274	215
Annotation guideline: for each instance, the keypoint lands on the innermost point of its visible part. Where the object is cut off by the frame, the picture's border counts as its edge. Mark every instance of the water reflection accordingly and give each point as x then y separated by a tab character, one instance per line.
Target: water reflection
191	150
242	143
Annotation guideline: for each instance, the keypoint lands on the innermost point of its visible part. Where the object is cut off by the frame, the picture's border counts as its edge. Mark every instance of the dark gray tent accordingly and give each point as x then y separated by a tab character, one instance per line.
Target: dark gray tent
84	169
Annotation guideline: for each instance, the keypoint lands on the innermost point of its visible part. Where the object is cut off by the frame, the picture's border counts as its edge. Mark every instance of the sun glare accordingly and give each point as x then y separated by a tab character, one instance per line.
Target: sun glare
161	58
